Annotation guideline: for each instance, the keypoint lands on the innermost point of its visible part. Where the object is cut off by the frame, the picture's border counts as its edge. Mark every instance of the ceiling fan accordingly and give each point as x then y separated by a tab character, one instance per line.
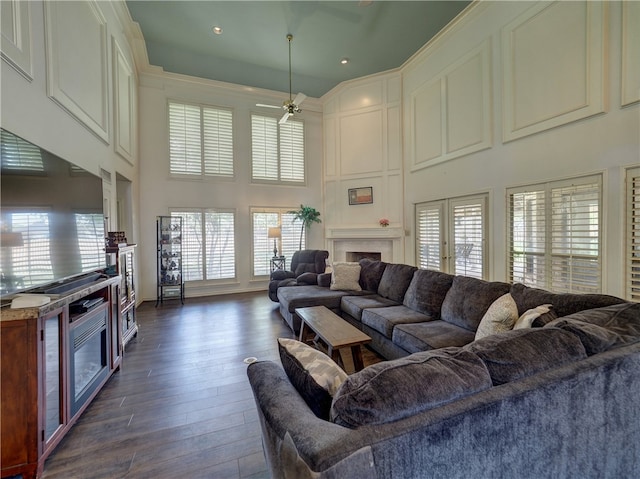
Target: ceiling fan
291	105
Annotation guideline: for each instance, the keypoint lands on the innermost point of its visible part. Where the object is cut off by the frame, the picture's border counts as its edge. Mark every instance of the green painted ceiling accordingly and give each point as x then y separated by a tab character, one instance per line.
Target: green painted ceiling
253	49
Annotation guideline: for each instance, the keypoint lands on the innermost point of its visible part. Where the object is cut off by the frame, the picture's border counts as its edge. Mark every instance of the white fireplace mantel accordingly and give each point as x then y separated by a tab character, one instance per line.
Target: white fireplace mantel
385	240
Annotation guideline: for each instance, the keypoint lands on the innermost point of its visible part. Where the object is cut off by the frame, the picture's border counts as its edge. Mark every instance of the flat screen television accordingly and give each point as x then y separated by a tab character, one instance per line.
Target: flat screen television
52	226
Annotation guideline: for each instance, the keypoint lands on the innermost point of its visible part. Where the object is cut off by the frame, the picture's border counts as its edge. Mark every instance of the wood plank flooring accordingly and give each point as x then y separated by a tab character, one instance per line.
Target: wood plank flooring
181	404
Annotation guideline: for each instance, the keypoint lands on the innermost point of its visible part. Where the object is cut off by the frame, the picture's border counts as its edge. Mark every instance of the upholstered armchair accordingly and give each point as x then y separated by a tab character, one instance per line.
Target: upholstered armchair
305	266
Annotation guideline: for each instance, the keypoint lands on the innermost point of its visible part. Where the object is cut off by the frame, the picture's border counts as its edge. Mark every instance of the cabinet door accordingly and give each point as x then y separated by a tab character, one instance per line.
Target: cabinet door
52	354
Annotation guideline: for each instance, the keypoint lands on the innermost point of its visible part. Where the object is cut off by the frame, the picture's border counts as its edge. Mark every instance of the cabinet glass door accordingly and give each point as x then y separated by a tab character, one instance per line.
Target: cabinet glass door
53	375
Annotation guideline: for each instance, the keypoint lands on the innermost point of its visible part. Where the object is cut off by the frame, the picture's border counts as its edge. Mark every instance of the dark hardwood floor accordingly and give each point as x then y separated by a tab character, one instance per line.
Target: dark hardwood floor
181	404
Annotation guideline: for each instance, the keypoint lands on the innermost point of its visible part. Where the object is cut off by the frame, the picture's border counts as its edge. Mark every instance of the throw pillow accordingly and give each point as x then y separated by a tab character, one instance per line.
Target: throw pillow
346	277
500	317
393	390
517	354
314	374
543	314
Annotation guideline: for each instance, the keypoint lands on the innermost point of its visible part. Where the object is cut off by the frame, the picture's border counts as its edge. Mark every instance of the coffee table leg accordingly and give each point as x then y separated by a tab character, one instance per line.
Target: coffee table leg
335	355
358	363
301	336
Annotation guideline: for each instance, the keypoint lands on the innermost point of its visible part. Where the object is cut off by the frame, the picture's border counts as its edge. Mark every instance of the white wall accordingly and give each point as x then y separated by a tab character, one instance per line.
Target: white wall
160	192
69	86
482	113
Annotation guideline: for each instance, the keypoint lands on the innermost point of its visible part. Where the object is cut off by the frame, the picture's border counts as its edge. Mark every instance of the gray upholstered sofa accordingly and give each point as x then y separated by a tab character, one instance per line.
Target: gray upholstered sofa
406	310
554	401
305	266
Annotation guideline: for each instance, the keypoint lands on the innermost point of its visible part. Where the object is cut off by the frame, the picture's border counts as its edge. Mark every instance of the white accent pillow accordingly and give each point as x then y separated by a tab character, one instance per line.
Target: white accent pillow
500	317
345	276
530	315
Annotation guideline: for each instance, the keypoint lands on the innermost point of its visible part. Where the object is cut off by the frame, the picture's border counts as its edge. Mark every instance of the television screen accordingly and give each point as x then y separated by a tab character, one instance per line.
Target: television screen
51	220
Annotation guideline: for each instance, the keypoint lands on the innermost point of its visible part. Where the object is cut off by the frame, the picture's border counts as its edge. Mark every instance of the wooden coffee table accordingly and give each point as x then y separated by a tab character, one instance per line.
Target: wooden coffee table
333	332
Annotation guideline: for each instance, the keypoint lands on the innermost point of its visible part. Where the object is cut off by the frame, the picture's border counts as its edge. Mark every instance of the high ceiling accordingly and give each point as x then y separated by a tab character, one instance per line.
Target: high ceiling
253	50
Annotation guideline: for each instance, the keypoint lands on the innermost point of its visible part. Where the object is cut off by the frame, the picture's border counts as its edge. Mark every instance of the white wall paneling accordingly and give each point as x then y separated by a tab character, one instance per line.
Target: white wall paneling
77	78
16	36
553	66
361	143
451	112
124	105
630	53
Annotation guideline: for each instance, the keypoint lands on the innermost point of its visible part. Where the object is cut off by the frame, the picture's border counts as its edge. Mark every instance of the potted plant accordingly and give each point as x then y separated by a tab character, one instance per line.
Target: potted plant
307	215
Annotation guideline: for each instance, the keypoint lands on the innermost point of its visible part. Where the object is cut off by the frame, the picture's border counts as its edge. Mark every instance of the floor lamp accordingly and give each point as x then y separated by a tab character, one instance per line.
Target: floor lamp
275	233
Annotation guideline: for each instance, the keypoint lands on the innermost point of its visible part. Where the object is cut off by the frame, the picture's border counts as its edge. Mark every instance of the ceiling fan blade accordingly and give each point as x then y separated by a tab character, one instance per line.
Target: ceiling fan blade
284	118
268	106
300	97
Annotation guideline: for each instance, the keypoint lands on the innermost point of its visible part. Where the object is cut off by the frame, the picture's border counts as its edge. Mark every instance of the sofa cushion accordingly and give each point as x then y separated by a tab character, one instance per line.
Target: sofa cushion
604	328
395	281
385	319
468	299
304	296
314	374
430	335
516	354
354	305
427	291
536	317
392	390
500	317
345	276
564	304
371	273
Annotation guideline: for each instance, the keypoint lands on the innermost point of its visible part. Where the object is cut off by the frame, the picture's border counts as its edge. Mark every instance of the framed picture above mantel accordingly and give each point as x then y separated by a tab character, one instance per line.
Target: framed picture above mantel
361	196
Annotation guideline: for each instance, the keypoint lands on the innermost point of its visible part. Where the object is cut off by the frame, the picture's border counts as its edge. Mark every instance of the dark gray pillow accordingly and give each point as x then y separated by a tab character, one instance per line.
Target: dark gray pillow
604	328
370	274
395	281
427	291
519	353
393	390
468	299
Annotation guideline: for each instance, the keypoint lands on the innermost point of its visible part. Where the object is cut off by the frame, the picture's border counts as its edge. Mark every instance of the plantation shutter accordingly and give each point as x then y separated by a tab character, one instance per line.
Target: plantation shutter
19	155
262	245
32	260
264	148
192	241
220	241
185	139
90	227
555	232
575	234
291	236
467	218
218	142
633	234
292	151
527	238
429	221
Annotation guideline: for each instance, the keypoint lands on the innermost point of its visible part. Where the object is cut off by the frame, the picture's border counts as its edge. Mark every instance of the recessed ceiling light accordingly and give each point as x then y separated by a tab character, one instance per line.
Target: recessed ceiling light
344	61
217	30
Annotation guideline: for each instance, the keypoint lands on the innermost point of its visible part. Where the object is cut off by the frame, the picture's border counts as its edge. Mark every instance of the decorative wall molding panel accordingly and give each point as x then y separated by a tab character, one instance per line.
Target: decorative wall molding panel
563	77
77	66
451	112
630	53
124	105
361	143
16	36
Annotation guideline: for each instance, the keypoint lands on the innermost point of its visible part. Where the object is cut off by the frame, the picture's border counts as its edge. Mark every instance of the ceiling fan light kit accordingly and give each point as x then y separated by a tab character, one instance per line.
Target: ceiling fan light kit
290	106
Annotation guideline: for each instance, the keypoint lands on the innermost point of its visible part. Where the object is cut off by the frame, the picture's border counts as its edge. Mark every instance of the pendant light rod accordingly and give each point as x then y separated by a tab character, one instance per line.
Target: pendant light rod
289	38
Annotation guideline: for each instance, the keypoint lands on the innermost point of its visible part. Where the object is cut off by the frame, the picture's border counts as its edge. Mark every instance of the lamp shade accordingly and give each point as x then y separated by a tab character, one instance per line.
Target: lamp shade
274	232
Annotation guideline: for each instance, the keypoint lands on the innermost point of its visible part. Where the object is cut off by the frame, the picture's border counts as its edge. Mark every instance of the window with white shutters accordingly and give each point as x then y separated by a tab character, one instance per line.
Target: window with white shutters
451	235
277	151
90	228
555	235
262	220
633	234
19	155
31	261
200	140
208	244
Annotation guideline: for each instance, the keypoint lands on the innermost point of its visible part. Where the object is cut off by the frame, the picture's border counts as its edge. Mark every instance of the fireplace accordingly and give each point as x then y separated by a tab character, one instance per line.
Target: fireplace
356	256
88	355
386	243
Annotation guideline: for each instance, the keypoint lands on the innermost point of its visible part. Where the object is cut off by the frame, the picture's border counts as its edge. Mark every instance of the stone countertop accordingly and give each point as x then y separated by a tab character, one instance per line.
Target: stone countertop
57	300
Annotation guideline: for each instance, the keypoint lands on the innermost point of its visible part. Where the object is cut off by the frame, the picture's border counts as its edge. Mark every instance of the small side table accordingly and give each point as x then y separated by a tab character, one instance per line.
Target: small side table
278	263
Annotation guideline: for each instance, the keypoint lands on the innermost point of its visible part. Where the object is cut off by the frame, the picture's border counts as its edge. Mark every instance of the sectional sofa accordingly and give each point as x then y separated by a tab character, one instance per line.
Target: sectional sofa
554	400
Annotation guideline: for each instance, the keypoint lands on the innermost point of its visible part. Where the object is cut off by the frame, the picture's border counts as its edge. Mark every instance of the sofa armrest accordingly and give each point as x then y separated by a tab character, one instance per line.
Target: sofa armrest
279	275
324	280
307	278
